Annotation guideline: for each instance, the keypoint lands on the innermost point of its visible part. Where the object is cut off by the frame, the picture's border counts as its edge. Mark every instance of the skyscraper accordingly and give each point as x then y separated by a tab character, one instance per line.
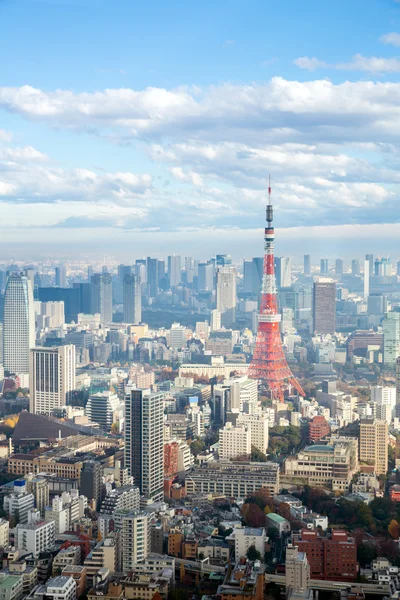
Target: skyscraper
101	296
174	270
223	260
370	259
366	280
61	276
248	276
283	271
324	307
391	338
52	378
258	270
324	267
226	295
132	295
307	264
355	267
91	481
339	266
205	281
135	539
144	447
152	276
18	326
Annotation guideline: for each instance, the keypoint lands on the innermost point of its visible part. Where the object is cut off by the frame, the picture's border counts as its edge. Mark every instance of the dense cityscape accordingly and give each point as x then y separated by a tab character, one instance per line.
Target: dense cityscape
202	428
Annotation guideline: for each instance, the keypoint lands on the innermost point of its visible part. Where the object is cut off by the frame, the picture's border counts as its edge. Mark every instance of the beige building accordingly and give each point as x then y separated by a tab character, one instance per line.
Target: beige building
258	427
234	442
135	539
226	295
4	532
51	378
374	444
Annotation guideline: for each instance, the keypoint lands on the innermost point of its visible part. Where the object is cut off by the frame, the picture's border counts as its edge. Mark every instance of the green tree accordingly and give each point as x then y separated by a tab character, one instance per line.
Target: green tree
197	446
253	554
366	553
257	456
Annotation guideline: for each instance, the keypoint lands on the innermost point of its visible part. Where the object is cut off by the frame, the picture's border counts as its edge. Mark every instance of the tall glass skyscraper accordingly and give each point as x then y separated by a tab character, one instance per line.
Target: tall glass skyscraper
18	326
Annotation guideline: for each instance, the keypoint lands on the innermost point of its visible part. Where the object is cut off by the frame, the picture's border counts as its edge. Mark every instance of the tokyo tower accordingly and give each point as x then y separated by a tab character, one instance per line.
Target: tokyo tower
269	363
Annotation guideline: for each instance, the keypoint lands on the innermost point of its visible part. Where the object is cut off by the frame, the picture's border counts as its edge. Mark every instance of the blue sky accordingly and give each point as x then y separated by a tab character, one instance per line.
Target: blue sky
152	126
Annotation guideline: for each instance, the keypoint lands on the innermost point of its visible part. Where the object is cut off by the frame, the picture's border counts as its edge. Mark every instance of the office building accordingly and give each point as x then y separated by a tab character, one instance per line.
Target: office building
174	270
101	407
152	276
52	378
370	259
307	265
58	514
366	280
374	442
135	539
324	307
248	277
333	558
398	387
226	295
18	326
132	299
258	271
144	451
383	267
91	482
234	442
257	424
245	537
205	278
61	276
324	267
101	296
232	479
19	503
355	267
377	304
223	260
215	320
339	266
283	271
391	338
177	336
4	532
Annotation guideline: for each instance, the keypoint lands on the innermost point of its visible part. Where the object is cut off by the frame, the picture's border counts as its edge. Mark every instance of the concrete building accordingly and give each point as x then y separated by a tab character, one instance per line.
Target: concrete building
91	481
101	407
283	271
226	295
244	537
58	514
58	588
232	479
11	587
205	280
234	442
18	504
215	320
257	424
18	326
174	270
374	442
35	536
297	575
4	533
135	539
144	450
51	316
39	487
324	307
318	428
52	378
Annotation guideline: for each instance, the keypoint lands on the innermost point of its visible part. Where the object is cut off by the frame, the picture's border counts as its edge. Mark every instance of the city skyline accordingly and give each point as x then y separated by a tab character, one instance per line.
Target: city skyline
129	152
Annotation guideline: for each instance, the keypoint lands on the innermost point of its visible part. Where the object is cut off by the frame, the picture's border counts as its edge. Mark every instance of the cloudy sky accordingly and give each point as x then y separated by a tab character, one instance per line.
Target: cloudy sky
130	127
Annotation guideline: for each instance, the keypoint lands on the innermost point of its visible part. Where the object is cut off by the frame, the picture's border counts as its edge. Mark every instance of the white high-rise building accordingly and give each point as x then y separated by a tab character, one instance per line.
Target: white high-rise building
101	296
215	320
50	315
144	444
132	298
234	441
283	271
177	336
391	338
366	280
226	295
18	326
135	539
52	378
35	536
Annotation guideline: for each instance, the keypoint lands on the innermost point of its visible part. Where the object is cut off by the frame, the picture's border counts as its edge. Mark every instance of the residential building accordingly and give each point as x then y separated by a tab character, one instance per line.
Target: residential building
333	557
244	537
297	574
4	533
232	479
52	378
79	575
58	514
11	587
324	307
226	295
18	326
35	536
144	451
66	558
135	539
39	487
374	443
242	581
257	424
18	504
58	588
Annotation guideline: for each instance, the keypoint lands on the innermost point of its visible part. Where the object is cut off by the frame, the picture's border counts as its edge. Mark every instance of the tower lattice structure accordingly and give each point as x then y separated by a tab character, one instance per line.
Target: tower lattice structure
269	363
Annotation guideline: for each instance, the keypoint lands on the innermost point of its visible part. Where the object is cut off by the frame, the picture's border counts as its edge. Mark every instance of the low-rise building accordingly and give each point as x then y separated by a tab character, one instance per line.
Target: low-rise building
277	522
58	588
35	536
78	574
243	580
244	537
11	587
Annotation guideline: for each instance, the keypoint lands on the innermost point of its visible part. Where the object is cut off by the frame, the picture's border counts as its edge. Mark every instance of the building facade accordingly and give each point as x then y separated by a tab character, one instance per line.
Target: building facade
52	378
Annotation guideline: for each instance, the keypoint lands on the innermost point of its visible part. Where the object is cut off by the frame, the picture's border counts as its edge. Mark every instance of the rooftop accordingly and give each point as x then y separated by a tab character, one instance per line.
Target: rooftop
9	581
319	448
276	518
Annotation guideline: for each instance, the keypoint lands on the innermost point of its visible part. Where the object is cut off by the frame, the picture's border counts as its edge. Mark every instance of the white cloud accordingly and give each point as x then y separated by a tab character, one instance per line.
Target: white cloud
391	38
5	136
189	176
359	62
310	64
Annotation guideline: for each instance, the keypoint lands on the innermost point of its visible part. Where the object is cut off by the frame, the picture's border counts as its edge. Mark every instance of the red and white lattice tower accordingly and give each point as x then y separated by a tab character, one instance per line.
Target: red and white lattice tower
269	363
